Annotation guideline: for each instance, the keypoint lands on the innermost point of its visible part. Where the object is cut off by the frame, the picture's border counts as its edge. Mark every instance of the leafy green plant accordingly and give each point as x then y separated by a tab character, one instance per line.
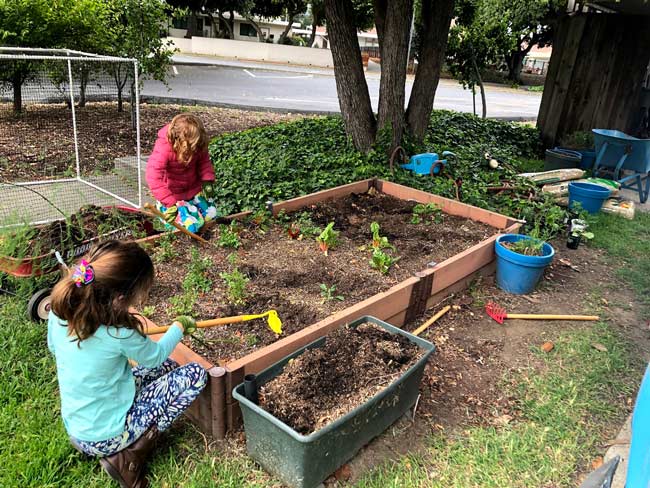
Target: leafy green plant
328	293
381	261
148	311
183	304
328	238
166	251
228	236
236	282
196	278
378	241
422	211
302	225
251	340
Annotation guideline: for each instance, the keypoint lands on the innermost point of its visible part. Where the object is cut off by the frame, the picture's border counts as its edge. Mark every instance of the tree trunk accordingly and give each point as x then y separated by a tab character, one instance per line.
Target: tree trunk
312	38
434	32
120	102
480	84
285	33
515	62
231	34
84	78
17	86
260	34
351	85
192	26
393	49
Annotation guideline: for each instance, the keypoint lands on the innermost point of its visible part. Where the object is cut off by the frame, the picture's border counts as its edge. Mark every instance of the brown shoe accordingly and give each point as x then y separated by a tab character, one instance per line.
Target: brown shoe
127	466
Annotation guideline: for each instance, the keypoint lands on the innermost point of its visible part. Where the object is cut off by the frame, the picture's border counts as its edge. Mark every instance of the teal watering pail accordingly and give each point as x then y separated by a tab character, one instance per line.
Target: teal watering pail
590	196
518	273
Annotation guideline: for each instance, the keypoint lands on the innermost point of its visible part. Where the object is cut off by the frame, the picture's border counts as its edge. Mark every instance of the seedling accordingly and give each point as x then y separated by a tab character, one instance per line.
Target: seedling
382	261
236	282
379	242
228	236
328	238
579	229
148	311
329	293
293	231
166	251
421	211
302	225
196	278
183	304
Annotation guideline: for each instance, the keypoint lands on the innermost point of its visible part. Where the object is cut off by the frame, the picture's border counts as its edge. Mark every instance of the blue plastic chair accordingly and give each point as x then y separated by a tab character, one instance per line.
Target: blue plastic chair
617	152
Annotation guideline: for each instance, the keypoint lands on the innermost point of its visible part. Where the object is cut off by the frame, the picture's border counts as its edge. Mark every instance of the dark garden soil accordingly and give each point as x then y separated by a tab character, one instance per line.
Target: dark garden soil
285	274
323	384
39	143
89	222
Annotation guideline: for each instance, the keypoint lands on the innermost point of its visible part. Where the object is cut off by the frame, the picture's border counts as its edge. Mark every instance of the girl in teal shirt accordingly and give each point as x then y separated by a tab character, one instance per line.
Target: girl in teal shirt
109	409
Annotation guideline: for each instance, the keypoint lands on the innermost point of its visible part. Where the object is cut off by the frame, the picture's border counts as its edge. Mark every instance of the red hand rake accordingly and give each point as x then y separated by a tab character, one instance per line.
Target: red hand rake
499	314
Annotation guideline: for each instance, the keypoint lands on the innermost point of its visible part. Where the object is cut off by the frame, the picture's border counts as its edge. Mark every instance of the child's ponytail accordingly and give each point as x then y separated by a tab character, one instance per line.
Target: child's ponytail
101	288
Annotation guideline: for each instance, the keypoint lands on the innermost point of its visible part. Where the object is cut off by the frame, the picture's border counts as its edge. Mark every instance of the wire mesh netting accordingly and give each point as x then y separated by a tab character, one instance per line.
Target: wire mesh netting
69	134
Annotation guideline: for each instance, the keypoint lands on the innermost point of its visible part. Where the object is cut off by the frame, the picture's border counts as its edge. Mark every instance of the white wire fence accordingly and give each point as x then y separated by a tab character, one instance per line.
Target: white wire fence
69	133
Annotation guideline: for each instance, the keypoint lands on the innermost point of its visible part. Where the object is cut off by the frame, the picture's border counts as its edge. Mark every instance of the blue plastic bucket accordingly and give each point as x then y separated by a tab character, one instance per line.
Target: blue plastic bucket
590	196
517	273
588	158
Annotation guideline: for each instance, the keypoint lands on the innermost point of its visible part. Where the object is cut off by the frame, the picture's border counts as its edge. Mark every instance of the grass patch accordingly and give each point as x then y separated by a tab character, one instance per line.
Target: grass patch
628	242
557	428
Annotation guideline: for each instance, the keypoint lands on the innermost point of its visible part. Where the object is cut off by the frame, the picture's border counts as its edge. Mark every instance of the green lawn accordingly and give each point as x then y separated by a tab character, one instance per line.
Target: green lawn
555	433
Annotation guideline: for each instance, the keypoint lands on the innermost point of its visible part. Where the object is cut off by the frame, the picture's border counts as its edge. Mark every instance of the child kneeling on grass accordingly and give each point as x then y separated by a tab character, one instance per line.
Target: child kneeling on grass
180	174
109	409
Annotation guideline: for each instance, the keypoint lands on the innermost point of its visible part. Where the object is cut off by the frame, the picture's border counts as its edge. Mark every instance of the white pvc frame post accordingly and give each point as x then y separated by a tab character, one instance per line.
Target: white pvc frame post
74	120
137	131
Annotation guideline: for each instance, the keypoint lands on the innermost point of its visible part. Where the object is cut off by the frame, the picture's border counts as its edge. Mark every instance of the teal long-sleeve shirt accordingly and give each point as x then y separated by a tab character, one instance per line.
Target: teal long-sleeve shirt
95	380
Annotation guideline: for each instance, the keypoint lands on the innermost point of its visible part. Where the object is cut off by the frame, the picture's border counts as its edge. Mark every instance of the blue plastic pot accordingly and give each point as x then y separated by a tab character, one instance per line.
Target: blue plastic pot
588	158
517	273
590	196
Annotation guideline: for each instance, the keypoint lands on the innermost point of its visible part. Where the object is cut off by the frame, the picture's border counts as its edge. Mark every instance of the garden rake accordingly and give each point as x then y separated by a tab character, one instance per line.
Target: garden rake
273	321
499	314
153	210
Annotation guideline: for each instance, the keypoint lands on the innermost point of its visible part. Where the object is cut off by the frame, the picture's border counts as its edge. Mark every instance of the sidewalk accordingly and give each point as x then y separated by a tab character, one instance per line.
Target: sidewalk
621	447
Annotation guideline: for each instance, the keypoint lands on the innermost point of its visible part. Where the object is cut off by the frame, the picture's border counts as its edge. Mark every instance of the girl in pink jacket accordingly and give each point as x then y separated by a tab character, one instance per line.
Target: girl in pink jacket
180	173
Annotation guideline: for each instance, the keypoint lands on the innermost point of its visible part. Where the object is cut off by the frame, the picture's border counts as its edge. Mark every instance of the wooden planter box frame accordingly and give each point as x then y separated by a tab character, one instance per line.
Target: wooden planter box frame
215	411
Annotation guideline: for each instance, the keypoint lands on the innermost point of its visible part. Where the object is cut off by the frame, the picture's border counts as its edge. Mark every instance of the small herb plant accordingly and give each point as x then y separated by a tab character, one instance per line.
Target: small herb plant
166	251
328	293
379	242
196	281
236	282
183	304
381	261
579	229
148	311
228	236
423	211
328	238
301	225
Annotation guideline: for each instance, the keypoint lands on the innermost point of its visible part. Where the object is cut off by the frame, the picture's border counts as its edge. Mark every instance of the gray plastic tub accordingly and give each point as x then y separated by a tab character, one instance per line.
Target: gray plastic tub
305	461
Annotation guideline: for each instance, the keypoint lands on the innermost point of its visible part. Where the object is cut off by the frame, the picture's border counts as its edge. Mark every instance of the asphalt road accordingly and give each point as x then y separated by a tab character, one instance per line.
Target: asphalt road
314	90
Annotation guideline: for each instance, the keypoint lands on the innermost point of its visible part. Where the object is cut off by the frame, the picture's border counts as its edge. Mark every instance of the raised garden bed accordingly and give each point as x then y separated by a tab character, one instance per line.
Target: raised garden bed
321	404
437	258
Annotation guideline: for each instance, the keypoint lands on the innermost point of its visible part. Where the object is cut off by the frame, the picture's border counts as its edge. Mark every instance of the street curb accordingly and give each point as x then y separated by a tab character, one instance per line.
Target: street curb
159	100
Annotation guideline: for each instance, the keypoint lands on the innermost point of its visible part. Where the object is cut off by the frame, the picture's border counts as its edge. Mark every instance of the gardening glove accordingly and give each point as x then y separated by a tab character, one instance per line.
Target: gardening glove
208	189
170	213
188	323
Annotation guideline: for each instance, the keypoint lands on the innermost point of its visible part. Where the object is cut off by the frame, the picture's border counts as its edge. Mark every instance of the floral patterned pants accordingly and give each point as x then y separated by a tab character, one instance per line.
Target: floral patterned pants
162	394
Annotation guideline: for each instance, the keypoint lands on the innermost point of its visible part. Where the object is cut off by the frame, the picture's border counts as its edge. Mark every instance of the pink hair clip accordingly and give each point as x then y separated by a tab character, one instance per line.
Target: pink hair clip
83	274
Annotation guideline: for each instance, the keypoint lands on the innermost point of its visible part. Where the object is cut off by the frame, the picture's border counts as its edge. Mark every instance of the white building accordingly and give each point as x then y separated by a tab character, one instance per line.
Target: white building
243	30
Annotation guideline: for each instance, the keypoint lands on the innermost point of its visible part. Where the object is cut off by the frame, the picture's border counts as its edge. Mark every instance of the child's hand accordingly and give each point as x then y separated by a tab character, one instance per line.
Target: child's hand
188	323
170	213
208	189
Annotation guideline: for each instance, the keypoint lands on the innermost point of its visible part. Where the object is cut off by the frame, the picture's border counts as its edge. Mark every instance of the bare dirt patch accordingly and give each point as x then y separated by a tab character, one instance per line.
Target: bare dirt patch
39	143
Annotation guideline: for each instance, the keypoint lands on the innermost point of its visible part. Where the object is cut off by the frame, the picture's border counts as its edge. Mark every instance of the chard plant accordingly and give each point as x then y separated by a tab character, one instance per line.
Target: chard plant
381	261
328	238
378	241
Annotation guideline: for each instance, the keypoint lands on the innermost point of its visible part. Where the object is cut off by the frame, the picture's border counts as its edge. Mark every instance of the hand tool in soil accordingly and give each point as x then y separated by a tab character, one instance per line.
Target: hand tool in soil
429	322
499	314
273	321
160	215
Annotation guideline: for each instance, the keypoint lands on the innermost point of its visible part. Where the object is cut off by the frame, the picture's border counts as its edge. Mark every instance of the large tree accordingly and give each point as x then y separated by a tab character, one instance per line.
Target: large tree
392	19
527	24
292	8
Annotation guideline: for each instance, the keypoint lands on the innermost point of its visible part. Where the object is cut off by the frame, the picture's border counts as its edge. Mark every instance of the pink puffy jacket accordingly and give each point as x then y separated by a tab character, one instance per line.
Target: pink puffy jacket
171	181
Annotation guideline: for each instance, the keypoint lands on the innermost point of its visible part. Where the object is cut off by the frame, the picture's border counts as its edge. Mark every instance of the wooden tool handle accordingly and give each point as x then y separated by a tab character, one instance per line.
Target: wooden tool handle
428	323
159	214
527	316
201	324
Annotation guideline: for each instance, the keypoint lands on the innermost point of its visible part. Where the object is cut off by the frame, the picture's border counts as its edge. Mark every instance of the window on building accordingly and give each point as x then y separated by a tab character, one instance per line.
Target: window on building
179	23
247	30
